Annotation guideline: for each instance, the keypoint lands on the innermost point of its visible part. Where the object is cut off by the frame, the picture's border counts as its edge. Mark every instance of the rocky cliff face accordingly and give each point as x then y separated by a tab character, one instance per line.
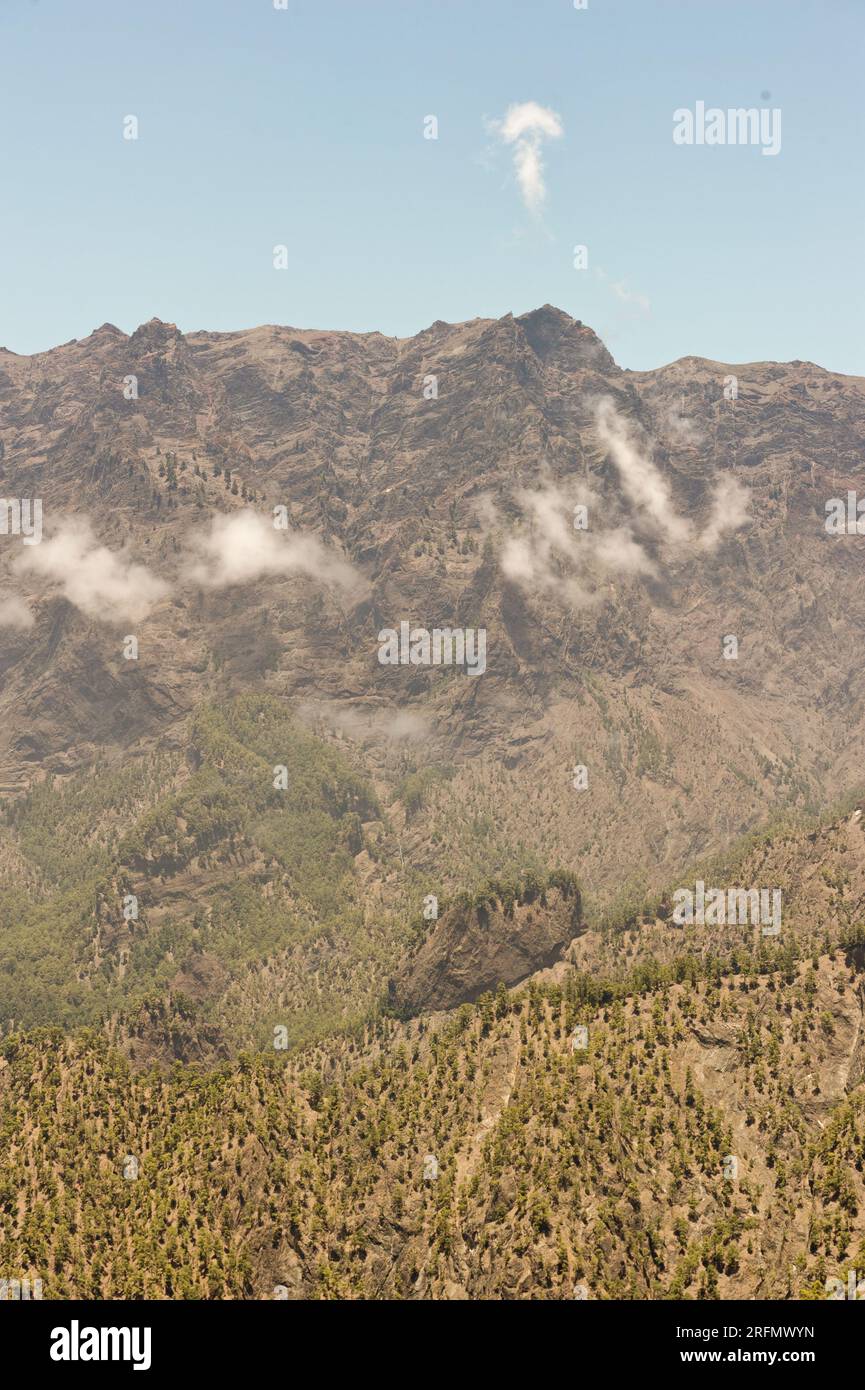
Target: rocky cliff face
478	945
433	481
336	428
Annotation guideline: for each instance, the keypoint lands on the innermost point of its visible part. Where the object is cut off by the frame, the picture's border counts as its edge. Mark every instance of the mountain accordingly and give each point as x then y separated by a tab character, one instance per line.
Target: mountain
431	481
331	967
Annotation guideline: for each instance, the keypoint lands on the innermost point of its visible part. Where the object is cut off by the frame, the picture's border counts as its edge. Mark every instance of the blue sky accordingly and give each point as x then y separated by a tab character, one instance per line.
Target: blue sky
304	127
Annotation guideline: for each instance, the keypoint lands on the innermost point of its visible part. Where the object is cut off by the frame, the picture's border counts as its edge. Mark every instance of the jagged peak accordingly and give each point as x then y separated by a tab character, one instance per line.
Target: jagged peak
156	331
106	330
547	313
554	334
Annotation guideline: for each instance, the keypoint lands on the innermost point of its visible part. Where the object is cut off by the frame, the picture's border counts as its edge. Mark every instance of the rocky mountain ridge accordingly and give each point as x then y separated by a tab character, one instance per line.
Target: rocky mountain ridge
430	480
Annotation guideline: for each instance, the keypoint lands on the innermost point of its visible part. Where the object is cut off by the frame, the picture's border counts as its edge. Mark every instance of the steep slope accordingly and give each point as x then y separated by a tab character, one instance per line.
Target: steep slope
689	1123
203	879
499	936
619	669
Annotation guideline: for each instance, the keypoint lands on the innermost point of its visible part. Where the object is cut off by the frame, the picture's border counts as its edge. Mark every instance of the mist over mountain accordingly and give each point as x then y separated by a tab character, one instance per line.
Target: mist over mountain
434	480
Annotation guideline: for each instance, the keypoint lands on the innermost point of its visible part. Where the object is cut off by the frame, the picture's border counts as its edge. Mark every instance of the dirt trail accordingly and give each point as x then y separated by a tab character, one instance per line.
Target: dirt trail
497	1093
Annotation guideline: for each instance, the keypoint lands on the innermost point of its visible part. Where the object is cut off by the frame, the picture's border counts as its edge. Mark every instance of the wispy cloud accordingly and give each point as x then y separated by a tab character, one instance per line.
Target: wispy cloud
101	583
361	723
15	612
644	484
545	553
524	126
628	296
245	547
651	494
729	511
623	292
110	586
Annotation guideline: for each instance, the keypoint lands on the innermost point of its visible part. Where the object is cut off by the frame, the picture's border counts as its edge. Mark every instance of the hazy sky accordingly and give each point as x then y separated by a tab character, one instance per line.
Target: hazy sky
305	127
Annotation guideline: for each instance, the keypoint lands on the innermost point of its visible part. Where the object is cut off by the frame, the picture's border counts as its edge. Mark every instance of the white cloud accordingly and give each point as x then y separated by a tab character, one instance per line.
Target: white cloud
14	612
546	554
101	583
244	547
380	725
680	428
524	126
729	511
549	555
650	492
617	552
646	486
